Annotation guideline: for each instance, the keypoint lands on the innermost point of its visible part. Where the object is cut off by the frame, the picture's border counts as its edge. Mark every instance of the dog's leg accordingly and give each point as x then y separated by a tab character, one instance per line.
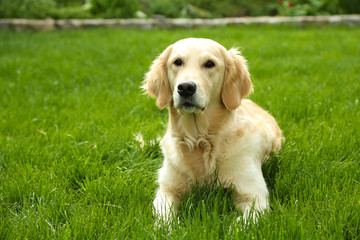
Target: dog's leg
251	205
171	184
250	191
165	205
251	195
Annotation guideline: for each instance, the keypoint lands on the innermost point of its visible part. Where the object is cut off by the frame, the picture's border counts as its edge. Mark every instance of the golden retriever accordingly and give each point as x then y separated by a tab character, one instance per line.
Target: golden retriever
212	129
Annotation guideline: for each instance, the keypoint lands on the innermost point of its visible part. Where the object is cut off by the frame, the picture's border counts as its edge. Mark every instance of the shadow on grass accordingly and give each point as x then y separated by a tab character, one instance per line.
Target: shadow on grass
270	169
206	204
204	199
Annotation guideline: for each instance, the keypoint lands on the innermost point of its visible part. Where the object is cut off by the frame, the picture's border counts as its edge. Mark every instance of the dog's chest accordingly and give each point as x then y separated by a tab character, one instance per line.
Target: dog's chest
200	160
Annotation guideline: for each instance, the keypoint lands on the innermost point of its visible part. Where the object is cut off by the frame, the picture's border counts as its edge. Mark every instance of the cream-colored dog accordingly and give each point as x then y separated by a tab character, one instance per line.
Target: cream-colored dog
211	127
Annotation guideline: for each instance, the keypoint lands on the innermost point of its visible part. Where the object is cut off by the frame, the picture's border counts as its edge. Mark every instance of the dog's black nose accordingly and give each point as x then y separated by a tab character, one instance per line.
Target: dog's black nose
186	89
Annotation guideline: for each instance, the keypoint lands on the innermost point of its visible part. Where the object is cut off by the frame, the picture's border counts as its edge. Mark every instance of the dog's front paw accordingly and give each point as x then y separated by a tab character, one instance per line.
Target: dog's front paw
253	210
164	209
250	216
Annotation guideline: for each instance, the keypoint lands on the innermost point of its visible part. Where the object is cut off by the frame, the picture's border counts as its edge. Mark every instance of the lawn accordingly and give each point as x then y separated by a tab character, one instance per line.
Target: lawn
70	107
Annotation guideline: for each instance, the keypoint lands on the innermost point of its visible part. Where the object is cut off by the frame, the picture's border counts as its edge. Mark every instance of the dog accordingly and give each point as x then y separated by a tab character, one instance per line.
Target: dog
213	131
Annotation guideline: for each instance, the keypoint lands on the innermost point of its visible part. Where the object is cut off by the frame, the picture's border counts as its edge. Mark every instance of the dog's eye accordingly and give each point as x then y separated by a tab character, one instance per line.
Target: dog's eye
209	64
178	62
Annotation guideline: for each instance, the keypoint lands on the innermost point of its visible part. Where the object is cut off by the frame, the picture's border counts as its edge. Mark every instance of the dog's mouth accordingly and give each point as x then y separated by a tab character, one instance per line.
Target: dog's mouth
191	107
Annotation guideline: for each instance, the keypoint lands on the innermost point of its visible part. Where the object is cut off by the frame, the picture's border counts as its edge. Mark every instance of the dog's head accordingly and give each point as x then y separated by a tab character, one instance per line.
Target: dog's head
197	73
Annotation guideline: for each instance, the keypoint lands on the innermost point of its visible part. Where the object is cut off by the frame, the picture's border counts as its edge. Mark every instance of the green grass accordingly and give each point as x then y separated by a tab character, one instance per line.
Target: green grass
70	105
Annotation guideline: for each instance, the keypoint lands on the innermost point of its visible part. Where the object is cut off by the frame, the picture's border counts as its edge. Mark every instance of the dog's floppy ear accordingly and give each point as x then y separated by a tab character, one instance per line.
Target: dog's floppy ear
237	84
156	82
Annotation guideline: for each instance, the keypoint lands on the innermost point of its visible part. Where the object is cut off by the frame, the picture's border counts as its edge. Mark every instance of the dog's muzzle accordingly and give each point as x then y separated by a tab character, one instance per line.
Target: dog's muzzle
187	93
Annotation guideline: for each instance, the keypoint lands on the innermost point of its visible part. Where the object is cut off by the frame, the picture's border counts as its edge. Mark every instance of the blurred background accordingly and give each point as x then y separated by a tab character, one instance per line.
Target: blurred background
63	9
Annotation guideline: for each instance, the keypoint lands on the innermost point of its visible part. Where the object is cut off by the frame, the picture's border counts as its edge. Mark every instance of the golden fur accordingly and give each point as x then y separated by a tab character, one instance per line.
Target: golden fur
219	131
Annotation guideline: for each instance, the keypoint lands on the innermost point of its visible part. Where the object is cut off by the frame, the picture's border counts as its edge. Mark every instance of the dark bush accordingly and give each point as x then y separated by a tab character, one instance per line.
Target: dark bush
316	7
114	8
168	8
350	6
66	3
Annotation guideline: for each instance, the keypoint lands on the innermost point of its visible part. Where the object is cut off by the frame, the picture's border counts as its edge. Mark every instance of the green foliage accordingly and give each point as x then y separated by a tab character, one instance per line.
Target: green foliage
171	8
114	8
70	12
26	8
168	8
43	9
204	8
64	3
230	8
68	8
